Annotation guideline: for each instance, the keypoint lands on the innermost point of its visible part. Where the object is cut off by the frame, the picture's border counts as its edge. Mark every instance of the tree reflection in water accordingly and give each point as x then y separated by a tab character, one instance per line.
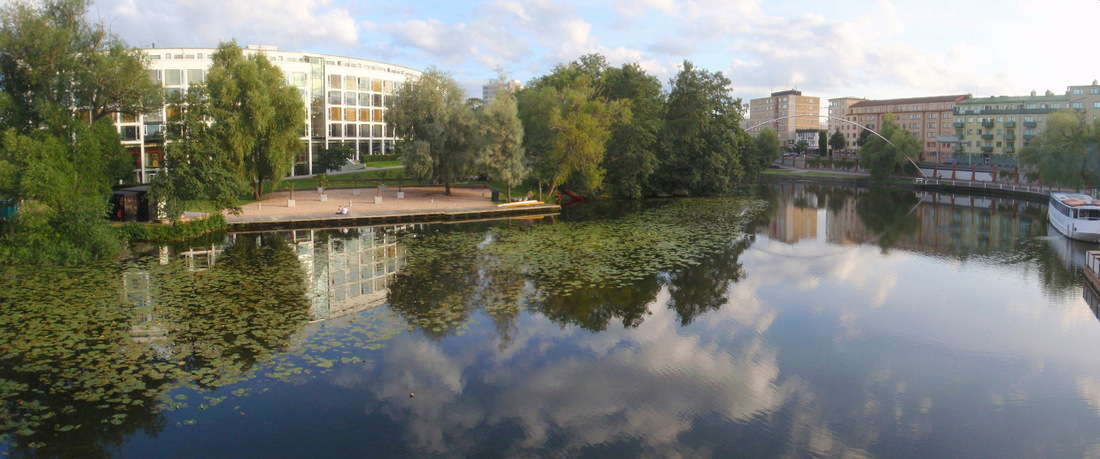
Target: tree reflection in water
88	355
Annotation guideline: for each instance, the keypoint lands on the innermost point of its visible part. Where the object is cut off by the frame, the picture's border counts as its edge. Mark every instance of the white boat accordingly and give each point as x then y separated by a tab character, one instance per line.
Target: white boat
1075	215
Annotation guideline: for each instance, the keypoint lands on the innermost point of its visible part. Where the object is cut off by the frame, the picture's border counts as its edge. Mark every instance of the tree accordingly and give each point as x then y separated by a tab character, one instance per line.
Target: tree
883	158
196	165
1066	152
863	137
703	142
62	80
502	132
333	157
837	141
258	118
440	139
567	122
765	151
823	143
802	146
631	156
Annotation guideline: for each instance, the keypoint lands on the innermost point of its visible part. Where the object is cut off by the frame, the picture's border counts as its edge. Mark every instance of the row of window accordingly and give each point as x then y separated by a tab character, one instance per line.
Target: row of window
360	130
352	98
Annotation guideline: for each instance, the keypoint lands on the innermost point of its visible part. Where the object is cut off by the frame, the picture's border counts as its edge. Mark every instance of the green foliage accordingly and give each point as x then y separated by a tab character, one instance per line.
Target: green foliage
440	138
837	141
332	158
257	116
631	156
703	140
765	150
502	132
864	135
1066	152
567	120
801	146
197	167
62	79
823	143
175	231
882	158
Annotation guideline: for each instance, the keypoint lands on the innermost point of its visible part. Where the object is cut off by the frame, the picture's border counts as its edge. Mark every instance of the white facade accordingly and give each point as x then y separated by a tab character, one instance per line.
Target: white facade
345	100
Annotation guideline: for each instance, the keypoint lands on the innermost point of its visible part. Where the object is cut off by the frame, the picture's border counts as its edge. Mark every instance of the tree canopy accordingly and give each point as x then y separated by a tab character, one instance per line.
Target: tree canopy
883	158
837	141
438	131
63	80
502	134
257	117
1066	152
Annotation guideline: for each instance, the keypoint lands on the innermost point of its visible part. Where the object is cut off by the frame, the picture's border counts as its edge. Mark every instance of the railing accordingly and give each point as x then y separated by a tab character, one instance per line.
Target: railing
987	136
1010	124
1037	189
1029	124
987	123
1092	260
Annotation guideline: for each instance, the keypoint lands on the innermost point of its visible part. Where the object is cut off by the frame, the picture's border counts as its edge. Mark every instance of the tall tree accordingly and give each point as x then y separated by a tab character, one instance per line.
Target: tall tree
440	138
837	141
631	156
765	151
257	116
1066	152
884	158
864	135
703	141
196	165
567	121
823	143
502	133
62	82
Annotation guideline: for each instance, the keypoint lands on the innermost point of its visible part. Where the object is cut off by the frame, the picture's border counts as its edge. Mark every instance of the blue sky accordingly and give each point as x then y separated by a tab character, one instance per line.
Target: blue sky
874	49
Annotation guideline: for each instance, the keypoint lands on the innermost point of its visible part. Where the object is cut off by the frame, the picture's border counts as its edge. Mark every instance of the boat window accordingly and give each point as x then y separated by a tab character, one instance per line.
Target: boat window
1090	214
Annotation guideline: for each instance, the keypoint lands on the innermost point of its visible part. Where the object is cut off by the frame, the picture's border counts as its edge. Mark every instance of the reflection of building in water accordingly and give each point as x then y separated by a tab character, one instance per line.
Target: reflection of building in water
949	224
137	292
348	273
1092	297
796	218
200	258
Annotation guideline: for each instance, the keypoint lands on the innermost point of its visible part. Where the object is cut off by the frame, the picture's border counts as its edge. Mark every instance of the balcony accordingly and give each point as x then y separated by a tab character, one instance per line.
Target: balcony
987	149
1029	136
958	124
987	123
987	136
1010	124
1010	149
1010	136
1029	124
959	147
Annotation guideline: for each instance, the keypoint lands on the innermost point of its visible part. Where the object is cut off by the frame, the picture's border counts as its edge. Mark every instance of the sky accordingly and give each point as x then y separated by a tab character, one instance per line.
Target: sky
872	49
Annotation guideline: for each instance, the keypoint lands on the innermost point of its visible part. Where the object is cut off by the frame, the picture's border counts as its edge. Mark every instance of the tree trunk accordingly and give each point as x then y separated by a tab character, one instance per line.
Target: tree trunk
258	188
447	188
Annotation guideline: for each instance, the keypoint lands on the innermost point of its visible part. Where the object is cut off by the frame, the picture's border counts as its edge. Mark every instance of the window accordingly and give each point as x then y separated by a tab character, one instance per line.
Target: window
1055	106
1094	91
349	130
364	130
1078	91
1078	105
349	114
1096	105
335	114
334	130
334	81
334	97
364	84
196	76
173	77
299	79
349	82
154	75
349	98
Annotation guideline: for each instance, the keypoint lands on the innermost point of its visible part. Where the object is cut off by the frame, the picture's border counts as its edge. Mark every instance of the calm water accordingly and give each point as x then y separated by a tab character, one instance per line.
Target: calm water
804	321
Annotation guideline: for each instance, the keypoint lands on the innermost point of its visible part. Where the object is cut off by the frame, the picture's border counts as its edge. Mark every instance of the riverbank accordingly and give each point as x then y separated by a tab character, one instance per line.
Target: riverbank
372	206
1033	193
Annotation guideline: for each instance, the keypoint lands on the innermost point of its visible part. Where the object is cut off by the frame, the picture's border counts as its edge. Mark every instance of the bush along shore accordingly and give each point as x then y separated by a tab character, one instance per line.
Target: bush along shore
175	231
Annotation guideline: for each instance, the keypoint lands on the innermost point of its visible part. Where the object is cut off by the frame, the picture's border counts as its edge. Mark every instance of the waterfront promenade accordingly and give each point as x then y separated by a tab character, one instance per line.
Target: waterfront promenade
418	204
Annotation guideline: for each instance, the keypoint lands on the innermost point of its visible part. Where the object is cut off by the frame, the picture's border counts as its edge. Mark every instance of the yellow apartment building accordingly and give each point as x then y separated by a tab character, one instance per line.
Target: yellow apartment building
786	112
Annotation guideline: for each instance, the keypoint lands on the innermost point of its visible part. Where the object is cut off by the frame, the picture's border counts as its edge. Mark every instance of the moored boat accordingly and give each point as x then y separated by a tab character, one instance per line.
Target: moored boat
1075	215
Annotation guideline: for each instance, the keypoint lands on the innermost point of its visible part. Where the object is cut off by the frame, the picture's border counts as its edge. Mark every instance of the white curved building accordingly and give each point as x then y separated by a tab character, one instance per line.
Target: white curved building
345	100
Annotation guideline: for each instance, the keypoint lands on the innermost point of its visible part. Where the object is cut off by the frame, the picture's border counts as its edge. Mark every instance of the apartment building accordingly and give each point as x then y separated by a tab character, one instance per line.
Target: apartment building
928	118
345	100
786	112
992	130
838	110
490	88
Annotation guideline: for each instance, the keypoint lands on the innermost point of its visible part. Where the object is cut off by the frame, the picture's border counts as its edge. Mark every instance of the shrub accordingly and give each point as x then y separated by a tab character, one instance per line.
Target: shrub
175	231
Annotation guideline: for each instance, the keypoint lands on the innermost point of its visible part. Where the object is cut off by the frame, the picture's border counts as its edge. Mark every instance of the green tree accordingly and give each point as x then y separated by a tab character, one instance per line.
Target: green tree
631	156
502	133
196	165
765	148
864	135
333	157
258	118
823	143
883	158
801	146
837	141
440	138
567	122
62	81
1066	151
702	135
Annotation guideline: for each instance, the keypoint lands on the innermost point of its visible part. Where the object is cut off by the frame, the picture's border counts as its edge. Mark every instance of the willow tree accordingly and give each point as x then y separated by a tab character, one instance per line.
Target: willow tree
1066	152
257	117
63	80
502	135
883	158
439	133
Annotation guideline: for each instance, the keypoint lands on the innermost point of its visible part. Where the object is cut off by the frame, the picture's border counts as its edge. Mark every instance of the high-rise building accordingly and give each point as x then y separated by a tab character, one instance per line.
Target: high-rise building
345	100
786	112
490	88
927	118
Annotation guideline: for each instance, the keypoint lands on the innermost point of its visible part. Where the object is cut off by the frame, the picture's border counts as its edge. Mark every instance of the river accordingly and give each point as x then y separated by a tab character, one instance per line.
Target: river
801	321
